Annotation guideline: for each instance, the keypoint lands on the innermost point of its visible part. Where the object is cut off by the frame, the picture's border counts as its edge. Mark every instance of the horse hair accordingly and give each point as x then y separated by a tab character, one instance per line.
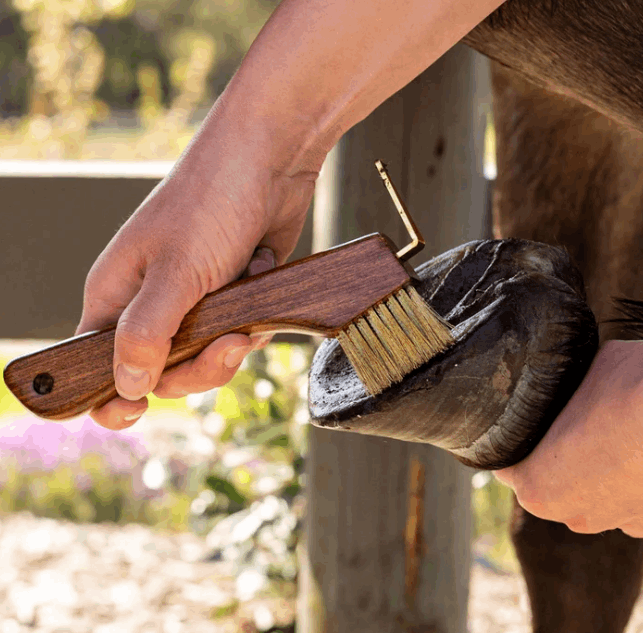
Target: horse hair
514	10
632	319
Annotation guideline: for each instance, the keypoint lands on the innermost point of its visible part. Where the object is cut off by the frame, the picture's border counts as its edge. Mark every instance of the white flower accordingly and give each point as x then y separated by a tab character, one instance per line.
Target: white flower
195	400
10	626
246	528
265	485
204	399
302	416
201	445
198	506
263	618
237	457
249	583
298	360
270	508
214	424
154	474
263	389
481	479
208	496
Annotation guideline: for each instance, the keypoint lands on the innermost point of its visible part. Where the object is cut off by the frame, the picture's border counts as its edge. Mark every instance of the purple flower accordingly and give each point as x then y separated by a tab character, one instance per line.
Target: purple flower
38	445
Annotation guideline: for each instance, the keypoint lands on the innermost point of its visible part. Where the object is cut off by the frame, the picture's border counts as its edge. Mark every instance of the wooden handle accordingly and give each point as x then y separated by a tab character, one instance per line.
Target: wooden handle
319	294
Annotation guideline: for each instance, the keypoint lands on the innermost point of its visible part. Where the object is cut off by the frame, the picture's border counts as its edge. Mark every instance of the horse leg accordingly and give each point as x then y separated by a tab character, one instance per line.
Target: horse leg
571	177
577	583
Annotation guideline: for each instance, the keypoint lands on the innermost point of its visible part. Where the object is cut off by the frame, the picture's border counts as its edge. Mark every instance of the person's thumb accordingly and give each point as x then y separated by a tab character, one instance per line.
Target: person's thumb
145	329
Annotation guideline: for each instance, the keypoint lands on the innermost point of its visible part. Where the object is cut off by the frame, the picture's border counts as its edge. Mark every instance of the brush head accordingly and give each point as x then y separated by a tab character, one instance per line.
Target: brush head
393	338
524	339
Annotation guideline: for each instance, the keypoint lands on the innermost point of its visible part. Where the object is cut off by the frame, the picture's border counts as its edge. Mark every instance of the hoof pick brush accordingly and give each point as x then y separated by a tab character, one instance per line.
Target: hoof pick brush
361	292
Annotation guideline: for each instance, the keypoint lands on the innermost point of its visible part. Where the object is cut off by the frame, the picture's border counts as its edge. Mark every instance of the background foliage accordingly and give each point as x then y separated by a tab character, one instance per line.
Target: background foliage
127	79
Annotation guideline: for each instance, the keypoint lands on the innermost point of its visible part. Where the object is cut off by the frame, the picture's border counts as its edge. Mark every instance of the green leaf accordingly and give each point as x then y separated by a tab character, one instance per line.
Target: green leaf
223	486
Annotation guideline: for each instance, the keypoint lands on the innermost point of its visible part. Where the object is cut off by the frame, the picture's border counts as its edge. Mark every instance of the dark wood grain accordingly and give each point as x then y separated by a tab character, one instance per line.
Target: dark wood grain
319	294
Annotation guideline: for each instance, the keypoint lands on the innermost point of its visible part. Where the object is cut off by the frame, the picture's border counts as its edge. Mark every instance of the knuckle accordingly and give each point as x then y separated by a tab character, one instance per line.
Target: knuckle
95	303
633	532
130	332
93	285
579	525
539	493
100	418
633	528
534	501
208	371
527	494
589	523
208	374
91	281
183	276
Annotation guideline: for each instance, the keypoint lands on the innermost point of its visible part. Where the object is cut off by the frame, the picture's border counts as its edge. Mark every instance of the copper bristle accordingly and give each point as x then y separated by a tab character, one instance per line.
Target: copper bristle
394	338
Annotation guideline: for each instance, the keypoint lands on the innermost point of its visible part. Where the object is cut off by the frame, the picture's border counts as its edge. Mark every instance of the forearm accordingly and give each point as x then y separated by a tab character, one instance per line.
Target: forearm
318	68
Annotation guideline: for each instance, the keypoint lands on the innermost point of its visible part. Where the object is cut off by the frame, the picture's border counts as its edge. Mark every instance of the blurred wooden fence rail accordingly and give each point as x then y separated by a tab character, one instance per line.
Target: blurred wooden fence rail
56	219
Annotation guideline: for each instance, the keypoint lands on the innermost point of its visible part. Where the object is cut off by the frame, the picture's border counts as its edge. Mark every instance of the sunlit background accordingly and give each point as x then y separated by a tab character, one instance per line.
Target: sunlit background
112	79
192	517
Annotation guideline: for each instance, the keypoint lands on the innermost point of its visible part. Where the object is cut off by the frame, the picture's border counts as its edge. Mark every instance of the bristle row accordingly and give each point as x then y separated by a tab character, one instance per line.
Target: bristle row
394	338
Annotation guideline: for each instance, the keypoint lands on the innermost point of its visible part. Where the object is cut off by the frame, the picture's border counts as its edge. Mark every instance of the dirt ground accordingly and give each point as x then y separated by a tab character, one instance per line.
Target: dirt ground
61	577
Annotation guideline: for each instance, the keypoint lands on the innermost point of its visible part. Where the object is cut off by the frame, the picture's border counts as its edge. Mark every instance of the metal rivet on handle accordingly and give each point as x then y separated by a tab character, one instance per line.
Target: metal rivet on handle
43	384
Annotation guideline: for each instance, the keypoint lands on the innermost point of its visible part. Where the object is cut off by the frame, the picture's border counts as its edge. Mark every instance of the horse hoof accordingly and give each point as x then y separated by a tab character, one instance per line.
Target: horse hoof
524	340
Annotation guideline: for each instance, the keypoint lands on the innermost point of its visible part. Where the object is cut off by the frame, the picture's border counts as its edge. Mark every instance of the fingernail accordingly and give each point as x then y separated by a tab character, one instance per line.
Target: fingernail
132	383
132	416
262	260
262	340
236	355
267	255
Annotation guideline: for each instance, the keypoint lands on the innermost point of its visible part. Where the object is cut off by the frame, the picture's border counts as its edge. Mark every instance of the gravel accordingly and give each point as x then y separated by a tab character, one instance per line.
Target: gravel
62	577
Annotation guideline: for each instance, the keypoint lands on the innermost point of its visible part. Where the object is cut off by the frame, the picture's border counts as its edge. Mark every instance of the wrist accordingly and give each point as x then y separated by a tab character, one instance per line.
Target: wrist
283	139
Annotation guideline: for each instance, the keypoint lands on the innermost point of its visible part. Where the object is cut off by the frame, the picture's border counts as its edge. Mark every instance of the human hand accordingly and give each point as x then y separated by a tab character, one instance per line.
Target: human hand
248	177
196	232
587	472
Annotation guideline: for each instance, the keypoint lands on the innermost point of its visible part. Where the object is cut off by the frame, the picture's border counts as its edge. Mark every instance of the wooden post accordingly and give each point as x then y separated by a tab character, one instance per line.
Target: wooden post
388	522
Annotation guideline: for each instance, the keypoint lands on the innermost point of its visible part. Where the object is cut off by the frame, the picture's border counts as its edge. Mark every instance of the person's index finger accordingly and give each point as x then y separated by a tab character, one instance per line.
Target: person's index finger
109	289
100	314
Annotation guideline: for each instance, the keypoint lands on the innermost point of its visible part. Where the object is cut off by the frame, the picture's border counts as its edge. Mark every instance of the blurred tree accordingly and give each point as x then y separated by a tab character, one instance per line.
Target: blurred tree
68	67
14	69
130	33
129	44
